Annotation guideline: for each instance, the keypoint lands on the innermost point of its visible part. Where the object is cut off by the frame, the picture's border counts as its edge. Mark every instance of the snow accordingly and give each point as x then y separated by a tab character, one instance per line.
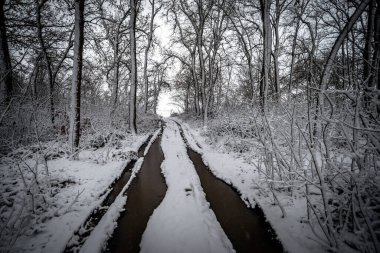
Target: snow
293	232
103	231
91	181
77	188
183	222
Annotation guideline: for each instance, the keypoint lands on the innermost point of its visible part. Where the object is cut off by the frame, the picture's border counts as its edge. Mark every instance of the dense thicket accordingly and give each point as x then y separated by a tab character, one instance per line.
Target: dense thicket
296	85
38	66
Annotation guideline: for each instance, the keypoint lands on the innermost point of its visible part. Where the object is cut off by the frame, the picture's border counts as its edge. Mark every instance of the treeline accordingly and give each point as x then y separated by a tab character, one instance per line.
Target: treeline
63	63
293	84
277	50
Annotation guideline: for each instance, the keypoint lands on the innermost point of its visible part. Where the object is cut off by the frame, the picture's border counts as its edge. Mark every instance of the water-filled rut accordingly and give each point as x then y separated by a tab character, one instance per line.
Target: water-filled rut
81	235
144	194
246	228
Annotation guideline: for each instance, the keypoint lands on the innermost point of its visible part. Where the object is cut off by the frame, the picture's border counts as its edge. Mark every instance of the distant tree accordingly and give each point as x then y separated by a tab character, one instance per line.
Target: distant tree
154	11
265	6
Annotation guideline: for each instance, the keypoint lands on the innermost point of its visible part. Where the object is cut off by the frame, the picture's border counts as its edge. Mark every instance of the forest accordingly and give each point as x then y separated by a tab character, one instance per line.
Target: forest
289	88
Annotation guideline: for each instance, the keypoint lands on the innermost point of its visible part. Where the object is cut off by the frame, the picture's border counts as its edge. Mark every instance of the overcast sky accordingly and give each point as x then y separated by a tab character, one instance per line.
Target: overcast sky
163	32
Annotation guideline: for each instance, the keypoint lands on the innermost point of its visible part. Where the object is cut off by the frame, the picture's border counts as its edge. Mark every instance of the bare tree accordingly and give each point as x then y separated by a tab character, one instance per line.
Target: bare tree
265	6
6	86
280	7
154	12
74	132
114	34
133	87
51	71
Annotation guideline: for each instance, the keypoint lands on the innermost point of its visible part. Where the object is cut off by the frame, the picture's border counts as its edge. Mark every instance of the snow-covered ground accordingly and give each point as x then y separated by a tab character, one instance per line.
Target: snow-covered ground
68	195
294	233
103	231
183	222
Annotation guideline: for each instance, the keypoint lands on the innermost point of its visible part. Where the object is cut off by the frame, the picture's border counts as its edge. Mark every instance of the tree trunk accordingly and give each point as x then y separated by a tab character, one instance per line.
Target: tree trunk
267	48
294	43
203	71
338	42
74	133
133	89
195	80
247	54
155	94
187	97
276	51
116	63
46	58
6	87
375	77
150	36
368	41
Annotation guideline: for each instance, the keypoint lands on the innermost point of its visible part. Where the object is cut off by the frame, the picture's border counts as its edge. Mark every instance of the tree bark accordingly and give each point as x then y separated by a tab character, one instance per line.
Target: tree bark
267	49
133	88
6	87
74	133
338	42
150	36
46	57
276	50
294	43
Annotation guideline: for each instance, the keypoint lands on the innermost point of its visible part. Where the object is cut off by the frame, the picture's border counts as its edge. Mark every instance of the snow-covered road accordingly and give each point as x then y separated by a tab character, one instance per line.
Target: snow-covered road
178	220
183	222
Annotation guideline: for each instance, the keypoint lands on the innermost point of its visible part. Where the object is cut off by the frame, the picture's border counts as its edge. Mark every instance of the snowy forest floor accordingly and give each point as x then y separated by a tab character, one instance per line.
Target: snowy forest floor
240	171
43	204
183	222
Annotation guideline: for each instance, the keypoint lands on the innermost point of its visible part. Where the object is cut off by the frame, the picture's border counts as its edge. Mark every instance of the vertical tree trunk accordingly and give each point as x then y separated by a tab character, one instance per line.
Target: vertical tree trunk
155	94
6	87
195	80
247	53
74	133
203	70
294	43
187	97
375	80
133	89
267	48
150	36
276	51
368	40
46	58
116	63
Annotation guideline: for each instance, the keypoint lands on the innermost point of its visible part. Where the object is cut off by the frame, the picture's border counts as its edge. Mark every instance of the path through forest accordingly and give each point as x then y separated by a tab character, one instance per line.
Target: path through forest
175	204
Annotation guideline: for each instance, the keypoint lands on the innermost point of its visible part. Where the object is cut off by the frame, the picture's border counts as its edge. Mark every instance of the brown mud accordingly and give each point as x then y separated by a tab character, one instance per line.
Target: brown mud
80	236
246	227
145	193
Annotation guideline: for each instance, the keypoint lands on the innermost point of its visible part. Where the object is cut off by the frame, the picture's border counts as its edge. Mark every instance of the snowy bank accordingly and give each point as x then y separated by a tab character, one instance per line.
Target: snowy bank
69	193
294	233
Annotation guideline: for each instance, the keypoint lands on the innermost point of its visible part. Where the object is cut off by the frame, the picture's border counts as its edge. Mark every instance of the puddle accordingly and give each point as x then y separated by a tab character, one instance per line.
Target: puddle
246	228
85	230
144	194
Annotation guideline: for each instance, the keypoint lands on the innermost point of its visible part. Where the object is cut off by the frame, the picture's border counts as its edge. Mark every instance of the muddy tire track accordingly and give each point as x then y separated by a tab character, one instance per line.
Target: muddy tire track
246	227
